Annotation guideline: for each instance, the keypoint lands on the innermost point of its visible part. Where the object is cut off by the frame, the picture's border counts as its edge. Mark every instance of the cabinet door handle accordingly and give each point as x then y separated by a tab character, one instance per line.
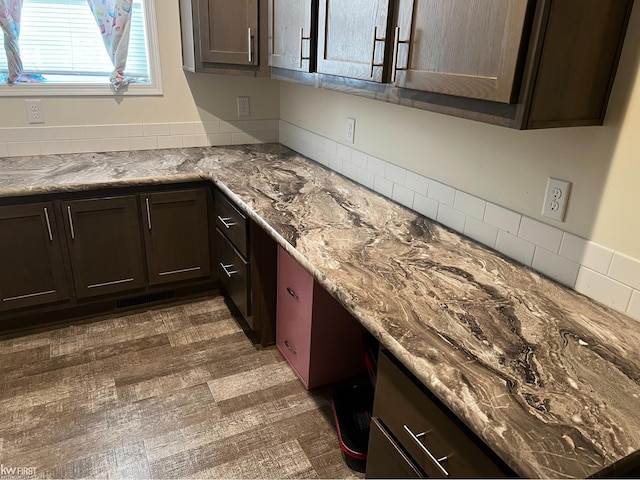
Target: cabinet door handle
73	233
302	38
286	344
394	61
292	293
46	217
225	221
148	212
374	39
434	460
226	267
250	43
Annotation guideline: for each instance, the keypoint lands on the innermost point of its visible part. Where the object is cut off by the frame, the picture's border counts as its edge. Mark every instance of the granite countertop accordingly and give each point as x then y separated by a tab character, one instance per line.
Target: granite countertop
548	378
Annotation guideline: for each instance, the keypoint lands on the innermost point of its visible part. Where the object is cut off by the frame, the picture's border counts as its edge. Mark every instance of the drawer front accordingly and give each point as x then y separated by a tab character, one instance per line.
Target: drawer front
426	431
295	287
385	458
294	314
235	274
232	223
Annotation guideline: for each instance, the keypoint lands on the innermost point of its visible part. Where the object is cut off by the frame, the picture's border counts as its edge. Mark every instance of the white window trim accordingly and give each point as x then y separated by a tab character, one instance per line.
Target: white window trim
100	89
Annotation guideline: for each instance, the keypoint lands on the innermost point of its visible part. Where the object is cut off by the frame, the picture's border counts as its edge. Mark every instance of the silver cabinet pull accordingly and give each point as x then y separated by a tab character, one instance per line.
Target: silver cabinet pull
107	284
182	270
46	217
28	295
225	221
374	39
396	44
250	43
434	460
226	269
302	38
73	233
292	293
148	212
286	344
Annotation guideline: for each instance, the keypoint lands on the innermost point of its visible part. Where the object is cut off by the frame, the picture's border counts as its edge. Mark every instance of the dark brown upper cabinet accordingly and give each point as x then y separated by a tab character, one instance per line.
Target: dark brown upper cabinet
31	265
230	31
468	48
293	34
105	245
521	64
224	36
352	38
176	235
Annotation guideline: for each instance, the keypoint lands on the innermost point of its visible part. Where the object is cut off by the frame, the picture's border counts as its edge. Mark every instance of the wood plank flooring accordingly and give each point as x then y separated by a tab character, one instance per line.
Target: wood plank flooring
173	392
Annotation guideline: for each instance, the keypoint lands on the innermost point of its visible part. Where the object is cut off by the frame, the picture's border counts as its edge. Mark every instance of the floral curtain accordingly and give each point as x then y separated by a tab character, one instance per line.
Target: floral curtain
10	23
114	20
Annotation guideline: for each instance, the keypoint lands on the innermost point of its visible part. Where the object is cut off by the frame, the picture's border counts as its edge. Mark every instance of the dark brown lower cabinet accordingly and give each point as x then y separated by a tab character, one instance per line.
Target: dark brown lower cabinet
104	239
235	275
388	460
31	265
421	434
176	235
245	260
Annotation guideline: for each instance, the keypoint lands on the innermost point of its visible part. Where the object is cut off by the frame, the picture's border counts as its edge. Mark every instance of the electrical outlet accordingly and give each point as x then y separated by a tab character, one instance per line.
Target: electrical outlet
351	130
556	199
34	111
243	106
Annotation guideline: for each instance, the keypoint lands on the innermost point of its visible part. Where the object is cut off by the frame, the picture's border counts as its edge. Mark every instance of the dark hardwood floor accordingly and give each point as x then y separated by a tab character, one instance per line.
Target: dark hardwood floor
173	392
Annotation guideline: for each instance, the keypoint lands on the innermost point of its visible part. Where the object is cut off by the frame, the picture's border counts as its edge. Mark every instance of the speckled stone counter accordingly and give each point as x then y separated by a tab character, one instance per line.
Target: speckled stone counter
548	378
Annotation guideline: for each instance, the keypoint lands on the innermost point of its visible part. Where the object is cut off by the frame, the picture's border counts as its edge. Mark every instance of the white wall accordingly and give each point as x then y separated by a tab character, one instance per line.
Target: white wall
186	98
497	166
488	182
507	167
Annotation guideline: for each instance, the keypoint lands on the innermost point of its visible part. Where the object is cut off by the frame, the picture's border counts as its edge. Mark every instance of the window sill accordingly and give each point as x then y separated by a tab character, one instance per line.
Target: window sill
74	90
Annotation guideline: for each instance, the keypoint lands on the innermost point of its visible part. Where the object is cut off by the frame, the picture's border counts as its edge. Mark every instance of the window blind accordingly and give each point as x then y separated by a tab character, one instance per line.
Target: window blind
61	40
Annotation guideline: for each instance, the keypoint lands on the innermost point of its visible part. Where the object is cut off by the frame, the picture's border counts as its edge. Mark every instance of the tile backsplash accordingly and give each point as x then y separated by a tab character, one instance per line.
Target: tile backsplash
40	140
591	269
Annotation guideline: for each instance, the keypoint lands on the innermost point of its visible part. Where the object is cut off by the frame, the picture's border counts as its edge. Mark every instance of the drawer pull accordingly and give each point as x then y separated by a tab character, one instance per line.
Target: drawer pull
434	460
292	293
286	344
226	269
225	221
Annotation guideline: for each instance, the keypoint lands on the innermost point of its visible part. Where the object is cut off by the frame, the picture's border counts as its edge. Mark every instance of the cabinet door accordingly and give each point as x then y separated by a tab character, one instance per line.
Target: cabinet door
105	245
31	271
229	31
176	235
292	34
468	48
352	36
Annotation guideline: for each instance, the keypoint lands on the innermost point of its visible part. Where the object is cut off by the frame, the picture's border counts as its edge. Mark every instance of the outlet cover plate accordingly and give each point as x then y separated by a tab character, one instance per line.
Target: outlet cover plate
556	199
34	111
243	107
351	130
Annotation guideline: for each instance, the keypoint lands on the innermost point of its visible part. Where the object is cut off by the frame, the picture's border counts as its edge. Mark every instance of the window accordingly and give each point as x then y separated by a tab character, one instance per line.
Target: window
60	40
